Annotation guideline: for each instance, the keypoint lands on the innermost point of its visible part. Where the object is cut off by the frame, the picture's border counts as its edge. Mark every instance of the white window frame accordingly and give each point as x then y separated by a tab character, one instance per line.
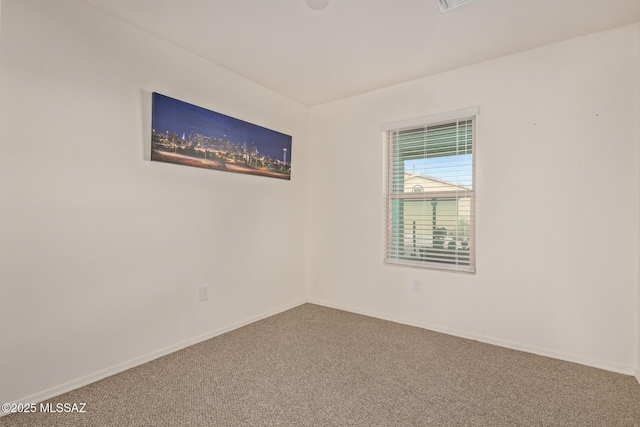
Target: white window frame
394	252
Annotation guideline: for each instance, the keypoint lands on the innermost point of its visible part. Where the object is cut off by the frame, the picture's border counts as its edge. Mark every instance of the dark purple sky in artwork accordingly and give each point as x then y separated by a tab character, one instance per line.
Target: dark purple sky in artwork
180	117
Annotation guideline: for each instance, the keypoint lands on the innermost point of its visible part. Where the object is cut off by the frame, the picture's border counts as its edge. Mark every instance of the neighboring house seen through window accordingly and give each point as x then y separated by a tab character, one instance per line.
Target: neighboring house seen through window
430	191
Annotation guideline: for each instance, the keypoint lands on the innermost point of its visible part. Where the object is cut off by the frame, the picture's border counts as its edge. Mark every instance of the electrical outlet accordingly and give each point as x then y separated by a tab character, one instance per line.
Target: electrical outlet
203	293
416	286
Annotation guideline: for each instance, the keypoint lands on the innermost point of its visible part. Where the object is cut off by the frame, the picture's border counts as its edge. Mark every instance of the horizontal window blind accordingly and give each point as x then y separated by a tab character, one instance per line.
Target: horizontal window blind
430	192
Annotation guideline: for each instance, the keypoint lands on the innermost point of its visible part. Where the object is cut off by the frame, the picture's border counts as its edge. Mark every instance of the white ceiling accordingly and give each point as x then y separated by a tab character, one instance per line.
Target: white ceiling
355	46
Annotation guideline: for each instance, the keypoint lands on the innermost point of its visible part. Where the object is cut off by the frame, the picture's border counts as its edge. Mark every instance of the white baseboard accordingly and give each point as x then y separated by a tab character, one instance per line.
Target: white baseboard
104	373
626	370
638	375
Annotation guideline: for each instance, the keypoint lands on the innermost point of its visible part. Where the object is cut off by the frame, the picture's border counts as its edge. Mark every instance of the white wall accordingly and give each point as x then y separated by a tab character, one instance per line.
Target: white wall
557	203
101	251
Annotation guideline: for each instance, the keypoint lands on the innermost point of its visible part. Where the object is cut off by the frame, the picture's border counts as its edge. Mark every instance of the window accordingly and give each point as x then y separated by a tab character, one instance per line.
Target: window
430	191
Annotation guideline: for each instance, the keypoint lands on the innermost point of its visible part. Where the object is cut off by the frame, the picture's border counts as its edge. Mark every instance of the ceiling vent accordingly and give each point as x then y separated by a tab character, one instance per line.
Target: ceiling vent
447	5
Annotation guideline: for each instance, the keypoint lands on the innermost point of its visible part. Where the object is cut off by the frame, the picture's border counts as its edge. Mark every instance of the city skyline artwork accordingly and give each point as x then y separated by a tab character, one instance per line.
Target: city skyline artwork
186	134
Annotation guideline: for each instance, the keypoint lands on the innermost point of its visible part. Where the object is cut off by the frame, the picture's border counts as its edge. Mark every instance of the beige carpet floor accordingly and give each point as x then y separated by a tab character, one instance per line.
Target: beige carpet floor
316	366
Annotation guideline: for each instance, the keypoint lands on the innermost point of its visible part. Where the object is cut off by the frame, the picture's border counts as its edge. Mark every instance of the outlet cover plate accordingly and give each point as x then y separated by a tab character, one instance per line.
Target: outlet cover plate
203	293
416	286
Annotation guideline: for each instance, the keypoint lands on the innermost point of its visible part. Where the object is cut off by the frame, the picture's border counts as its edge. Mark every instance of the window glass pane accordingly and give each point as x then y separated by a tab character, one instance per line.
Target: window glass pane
435	158
434	229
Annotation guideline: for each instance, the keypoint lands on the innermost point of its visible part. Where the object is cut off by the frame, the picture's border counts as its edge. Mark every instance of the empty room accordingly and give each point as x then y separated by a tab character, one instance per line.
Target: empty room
312	212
